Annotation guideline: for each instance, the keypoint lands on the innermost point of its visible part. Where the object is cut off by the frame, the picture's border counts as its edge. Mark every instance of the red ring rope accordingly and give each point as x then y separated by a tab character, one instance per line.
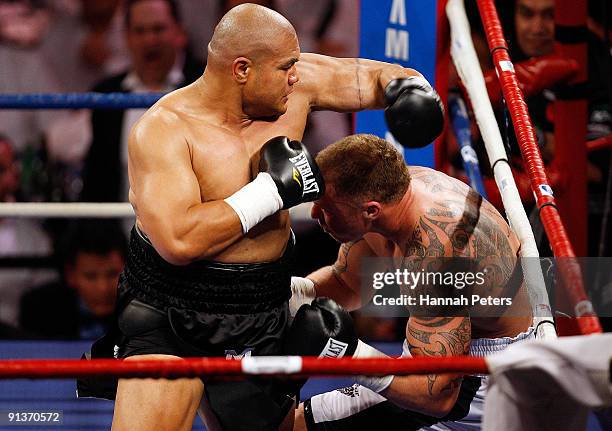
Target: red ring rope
293	366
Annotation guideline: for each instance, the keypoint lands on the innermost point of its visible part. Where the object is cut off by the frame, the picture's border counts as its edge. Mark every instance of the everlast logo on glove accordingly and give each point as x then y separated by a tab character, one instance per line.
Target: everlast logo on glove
334	349
309	182
294	171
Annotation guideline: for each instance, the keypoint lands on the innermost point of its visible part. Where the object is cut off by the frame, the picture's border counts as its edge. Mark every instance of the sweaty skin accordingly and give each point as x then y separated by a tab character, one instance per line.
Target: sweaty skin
438	216
197	145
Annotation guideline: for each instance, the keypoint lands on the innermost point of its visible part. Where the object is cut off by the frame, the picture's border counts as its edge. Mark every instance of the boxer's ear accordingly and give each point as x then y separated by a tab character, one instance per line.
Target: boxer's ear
371	210
241	68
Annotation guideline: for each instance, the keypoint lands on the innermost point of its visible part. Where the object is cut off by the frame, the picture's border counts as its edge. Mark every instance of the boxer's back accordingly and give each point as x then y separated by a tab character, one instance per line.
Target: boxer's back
455	222
463	224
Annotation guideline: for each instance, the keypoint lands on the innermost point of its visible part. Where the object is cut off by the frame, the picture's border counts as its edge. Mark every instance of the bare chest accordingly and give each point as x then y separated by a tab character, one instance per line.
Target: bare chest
225	160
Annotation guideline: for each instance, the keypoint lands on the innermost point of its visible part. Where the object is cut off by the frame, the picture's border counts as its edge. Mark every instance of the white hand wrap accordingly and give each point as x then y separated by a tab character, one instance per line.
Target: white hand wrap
376	384
256	201
302	292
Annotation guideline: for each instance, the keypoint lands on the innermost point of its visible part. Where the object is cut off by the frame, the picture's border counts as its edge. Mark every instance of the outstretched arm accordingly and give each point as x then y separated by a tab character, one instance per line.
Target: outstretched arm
414	112
347	84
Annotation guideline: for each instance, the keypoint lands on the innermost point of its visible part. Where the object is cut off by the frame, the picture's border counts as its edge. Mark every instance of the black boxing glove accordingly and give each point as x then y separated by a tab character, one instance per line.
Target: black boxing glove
288	176
414	113
293	169
325	329
322	328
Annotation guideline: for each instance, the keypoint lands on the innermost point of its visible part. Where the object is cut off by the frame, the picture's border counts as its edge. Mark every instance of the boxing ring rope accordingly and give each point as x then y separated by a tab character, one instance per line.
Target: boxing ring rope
66	209
467	65
570	271
288	366
99	210
78	100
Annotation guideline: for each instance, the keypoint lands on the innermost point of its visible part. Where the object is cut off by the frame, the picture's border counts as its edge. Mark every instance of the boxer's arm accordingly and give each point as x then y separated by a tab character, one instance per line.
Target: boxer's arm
346	84
432	394
166	197
340	281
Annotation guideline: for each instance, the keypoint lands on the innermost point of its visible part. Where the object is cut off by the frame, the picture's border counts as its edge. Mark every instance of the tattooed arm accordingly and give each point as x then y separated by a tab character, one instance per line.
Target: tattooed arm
340	281
433	394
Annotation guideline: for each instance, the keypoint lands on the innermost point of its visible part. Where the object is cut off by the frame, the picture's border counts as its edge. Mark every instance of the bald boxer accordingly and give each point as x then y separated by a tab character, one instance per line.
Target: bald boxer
412	218
212	169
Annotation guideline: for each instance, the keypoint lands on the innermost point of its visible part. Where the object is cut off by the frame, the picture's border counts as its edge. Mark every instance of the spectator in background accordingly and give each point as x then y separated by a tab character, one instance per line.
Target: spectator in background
23	25
534	28
81	304
159	63
89	36
530	27
19	237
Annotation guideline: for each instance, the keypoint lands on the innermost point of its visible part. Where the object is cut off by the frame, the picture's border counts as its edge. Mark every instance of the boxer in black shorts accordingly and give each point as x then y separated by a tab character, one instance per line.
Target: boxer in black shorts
214	166
210	309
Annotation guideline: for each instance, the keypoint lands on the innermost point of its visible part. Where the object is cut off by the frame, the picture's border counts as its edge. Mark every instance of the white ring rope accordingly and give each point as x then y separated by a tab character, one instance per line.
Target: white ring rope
467	65
99	210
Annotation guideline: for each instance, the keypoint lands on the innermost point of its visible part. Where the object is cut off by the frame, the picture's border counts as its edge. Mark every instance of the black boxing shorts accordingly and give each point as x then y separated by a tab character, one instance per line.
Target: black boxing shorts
206	309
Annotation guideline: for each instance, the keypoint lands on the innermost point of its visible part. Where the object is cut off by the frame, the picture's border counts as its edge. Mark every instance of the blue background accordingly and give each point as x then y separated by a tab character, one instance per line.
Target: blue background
421	27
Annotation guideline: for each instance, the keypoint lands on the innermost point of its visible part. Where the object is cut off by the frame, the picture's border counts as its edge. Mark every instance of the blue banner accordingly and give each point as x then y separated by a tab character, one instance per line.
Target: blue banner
403	32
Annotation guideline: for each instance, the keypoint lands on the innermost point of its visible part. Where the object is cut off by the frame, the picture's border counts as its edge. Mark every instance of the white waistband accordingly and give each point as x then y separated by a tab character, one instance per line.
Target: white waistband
488	346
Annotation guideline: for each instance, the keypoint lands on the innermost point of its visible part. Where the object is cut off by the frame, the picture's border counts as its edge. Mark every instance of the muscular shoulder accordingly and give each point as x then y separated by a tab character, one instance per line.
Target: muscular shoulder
455	221
160	123
379	245
435	181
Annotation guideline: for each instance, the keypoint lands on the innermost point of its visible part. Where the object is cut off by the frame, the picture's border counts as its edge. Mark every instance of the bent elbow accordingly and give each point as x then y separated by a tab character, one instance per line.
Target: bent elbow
178	253
438	411
441	407
437	408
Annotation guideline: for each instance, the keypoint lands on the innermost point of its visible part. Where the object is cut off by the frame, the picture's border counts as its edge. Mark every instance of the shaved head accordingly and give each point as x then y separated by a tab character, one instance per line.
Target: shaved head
248	30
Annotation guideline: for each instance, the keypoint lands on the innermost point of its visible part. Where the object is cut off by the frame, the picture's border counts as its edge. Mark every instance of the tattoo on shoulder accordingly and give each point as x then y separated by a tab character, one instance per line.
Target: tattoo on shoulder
341	264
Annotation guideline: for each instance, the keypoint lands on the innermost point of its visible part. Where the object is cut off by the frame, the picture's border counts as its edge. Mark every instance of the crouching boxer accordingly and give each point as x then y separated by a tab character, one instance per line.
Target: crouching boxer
412	218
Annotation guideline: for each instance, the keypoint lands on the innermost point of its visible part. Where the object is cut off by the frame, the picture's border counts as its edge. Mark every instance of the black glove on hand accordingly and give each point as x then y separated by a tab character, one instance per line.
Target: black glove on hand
414	113
323	329
293	169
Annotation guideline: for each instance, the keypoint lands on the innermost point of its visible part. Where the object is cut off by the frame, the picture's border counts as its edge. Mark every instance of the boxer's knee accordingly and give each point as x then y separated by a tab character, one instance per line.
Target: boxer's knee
300	420
287	423
156	404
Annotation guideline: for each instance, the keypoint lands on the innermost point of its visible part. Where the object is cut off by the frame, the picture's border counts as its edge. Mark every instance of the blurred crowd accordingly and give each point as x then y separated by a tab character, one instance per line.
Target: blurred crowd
140	46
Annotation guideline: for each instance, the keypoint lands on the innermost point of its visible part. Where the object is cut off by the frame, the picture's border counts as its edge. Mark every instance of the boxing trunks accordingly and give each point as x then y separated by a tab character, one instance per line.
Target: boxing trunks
358	408
204	309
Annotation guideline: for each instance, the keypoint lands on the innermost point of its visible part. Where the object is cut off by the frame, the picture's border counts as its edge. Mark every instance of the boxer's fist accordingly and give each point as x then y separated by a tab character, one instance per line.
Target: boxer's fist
294	171
414	113
322	328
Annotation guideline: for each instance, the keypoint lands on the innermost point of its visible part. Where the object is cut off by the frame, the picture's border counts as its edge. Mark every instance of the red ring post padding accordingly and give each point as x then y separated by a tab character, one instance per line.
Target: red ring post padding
200	367
559	241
